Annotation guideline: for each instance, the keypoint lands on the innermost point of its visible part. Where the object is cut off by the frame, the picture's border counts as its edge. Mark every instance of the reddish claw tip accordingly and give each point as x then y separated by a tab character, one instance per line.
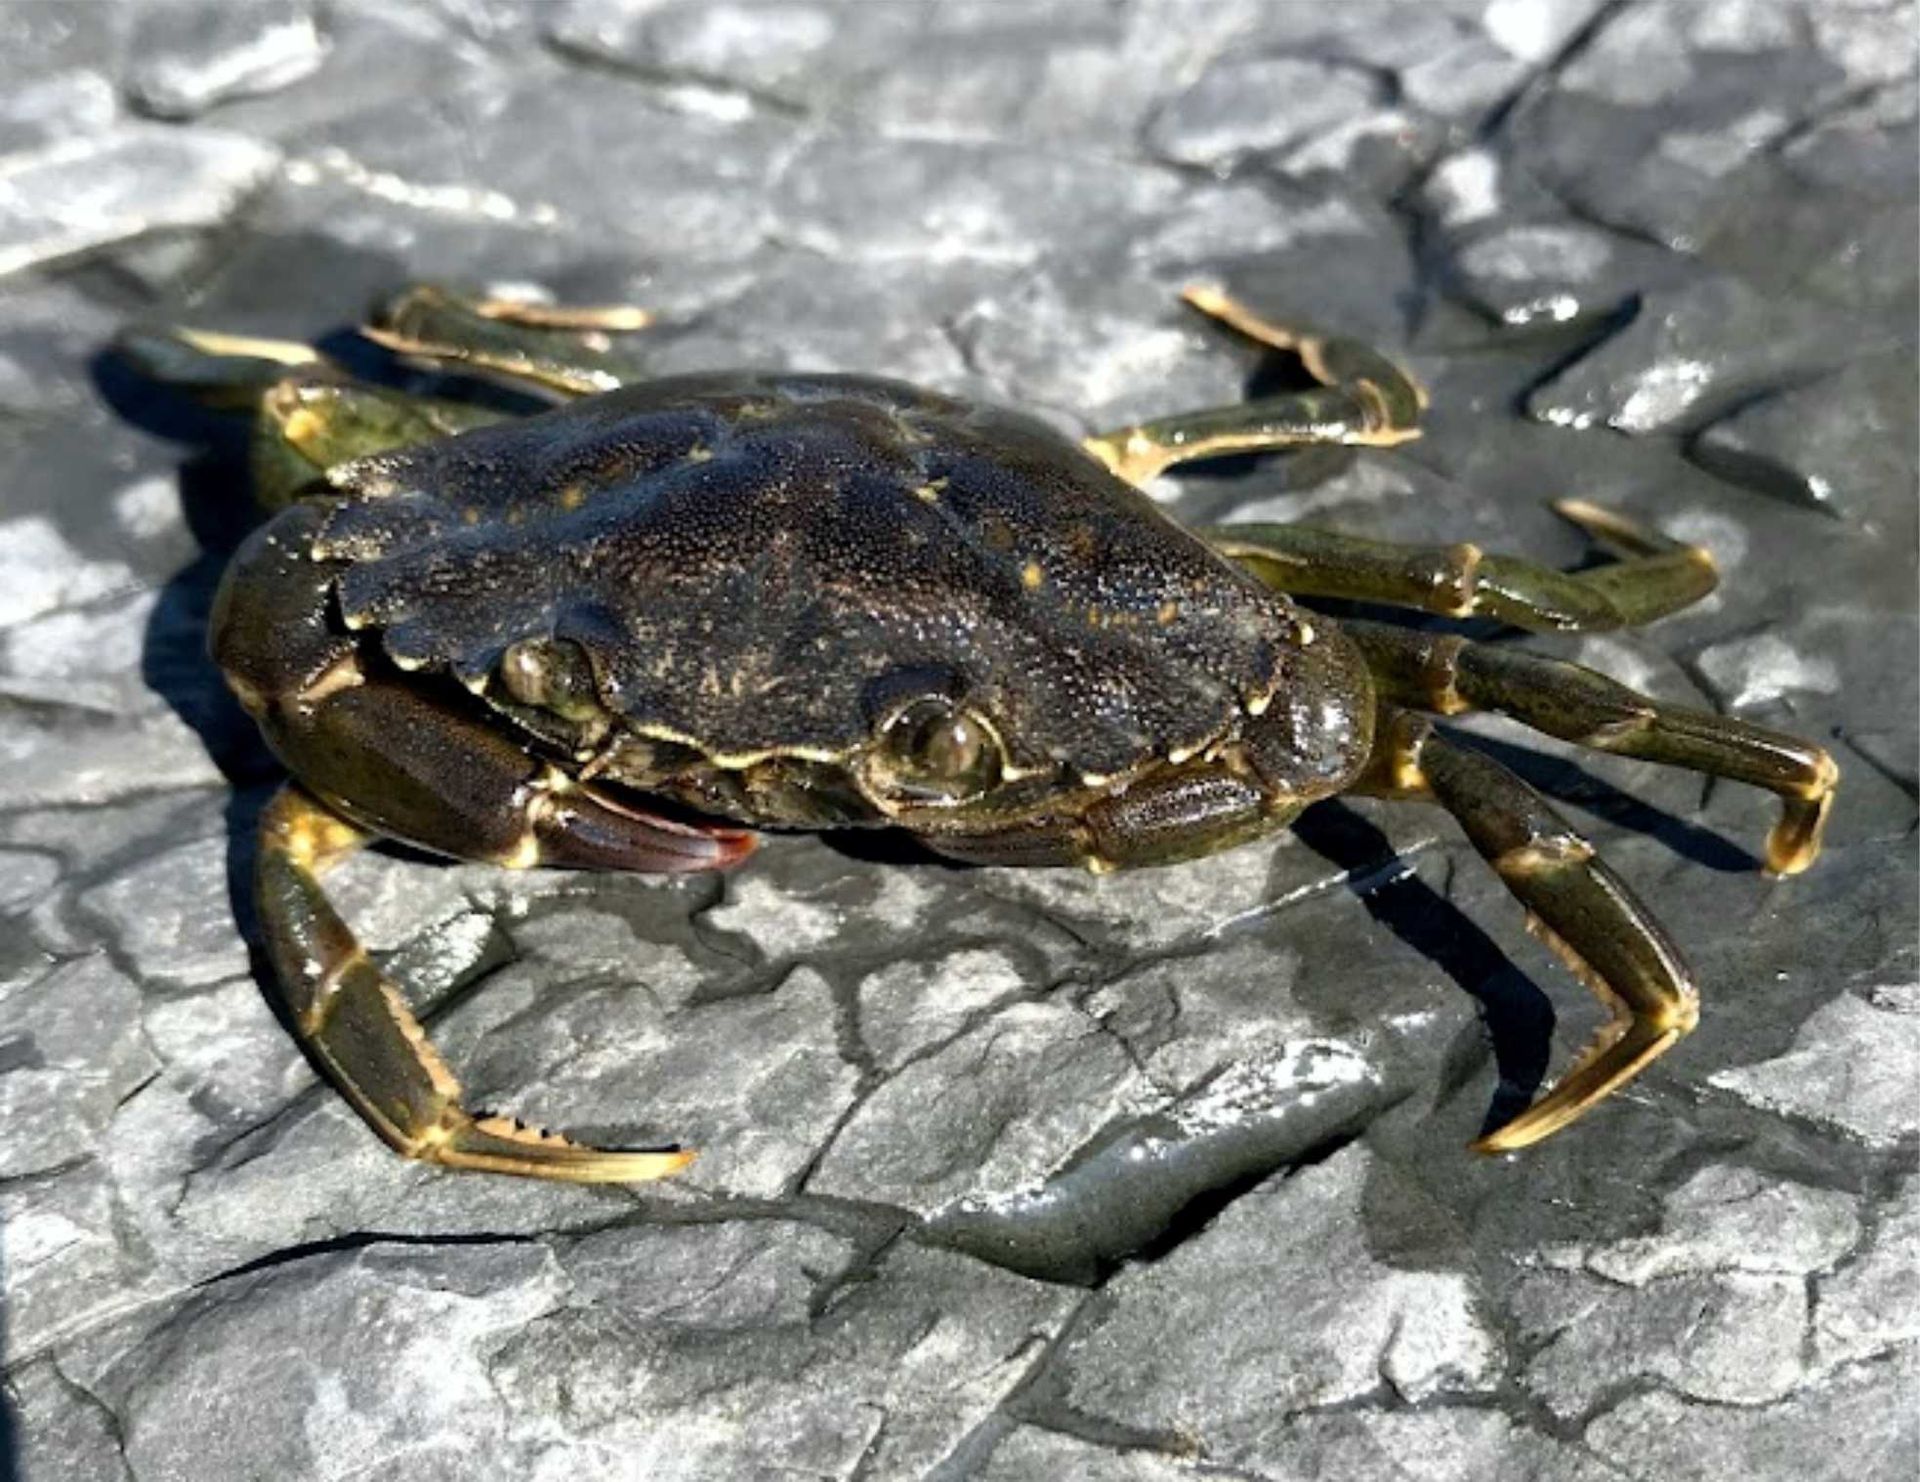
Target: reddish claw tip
586	829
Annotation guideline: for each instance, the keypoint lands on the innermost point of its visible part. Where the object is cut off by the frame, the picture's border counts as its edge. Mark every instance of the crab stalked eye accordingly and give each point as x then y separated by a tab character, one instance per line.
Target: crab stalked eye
937	751
550	673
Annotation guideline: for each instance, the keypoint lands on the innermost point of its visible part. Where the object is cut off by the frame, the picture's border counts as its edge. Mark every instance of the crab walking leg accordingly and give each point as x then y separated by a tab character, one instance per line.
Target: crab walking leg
222	370
1654	577
1447	674
360	1031
307	416
568	350
1363	399
1575	904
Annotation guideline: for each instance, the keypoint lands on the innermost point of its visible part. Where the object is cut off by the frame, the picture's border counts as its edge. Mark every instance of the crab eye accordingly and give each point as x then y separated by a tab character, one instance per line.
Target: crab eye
549	673
938	752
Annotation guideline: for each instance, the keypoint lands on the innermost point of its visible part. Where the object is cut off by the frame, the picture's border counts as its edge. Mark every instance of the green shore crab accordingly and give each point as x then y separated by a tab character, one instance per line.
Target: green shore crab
626	632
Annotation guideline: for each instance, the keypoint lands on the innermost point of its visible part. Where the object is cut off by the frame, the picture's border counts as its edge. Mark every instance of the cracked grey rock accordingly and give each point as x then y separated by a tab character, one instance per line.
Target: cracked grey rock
25	877
908	1007
63	105
170	916
1687	355
756	1083
1032	1455
1852	1067
225	1055
40	571
1275	1308
1728	1269
1446	1445
420	1400
70	1263
1257	105
1871	1307
704	179
1090	359
191	56
1859	1425
44	339
64	1433
843	197
99	761
1556	270
1125	1189
830	313
1153	910
1725	1219
989	1115
1068	75
1866	147
84	656
1729	1340
81	194
1754	671
70	1052
802	54
1689	98
694	1353
1845	445
1452	60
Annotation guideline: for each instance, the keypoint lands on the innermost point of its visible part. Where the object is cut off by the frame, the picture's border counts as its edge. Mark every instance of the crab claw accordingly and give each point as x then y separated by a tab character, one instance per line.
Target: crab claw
580	827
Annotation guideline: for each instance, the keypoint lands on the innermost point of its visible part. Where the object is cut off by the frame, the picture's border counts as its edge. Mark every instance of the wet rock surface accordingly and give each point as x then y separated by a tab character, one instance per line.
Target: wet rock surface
1005	1175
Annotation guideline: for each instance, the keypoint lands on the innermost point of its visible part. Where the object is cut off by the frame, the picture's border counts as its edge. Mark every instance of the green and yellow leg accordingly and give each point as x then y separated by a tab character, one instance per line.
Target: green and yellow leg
569	350
1363	399
1654	576
1447	674
358	1028
308	415
377	756
1575	904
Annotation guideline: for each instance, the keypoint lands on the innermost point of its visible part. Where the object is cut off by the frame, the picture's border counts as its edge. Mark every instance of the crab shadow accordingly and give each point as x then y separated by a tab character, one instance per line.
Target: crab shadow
216	500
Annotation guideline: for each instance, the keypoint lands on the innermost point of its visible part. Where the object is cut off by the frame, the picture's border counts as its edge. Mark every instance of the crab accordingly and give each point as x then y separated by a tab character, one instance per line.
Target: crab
630	630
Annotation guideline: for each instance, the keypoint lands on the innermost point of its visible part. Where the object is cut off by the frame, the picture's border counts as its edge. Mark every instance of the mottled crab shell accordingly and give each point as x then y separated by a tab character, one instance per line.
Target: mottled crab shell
764	564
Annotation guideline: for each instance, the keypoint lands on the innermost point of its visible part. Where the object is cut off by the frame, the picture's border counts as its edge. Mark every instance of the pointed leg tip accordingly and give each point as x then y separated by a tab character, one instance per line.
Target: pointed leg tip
1794	844
1510	1137
1595	519
1790	857
637	1168
1208	298
497	1144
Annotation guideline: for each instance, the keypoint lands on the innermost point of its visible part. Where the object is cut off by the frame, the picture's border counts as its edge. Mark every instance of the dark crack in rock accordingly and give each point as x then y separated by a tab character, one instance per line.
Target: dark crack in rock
1858	1425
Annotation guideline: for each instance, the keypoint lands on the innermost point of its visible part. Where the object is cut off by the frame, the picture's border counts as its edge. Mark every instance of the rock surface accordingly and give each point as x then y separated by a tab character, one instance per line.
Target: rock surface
1006	1175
